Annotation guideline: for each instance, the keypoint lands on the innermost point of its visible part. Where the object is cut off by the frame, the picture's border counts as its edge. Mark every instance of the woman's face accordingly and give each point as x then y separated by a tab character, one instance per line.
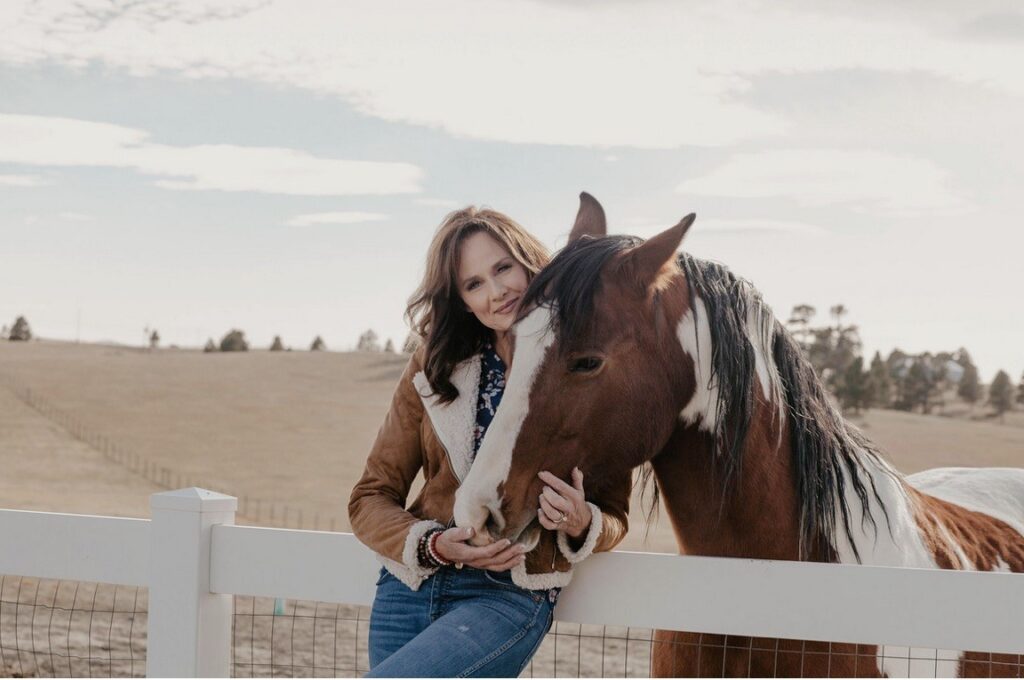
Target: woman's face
490	281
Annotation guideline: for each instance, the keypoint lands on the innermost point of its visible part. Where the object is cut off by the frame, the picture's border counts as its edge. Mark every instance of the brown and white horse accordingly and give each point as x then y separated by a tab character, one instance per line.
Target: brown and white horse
627	353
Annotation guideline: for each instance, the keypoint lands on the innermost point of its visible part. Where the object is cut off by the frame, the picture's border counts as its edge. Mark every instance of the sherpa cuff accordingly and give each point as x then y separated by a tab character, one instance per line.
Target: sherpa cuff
409	571
575	556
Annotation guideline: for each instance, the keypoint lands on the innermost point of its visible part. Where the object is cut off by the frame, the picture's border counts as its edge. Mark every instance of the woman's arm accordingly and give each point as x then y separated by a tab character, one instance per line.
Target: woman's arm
608	515
376	508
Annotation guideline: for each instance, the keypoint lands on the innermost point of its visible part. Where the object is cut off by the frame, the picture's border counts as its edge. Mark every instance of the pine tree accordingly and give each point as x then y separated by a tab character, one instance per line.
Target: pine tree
389	346
854	390
20	332
899	363
318	345
938	372
154	339
210	346
234	341
879	383
918	386
800	322
1020	390
368	342
1000	393
969	388
277	345
4	332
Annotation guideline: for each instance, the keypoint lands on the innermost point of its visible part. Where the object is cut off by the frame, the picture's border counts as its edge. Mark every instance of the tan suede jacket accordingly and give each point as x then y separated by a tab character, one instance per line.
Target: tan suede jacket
419	432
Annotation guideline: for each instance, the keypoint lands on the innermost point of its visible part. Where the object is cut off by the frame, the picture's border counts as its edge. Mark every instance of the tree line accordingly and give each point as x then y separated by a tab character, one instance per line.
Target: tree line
232	341
907	382
902	381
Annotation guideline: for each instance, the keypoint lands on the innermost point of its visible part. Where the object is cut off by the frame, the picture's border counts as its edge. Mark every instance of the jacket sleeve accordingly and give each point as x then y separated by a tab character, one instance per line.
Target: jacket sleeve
376	507
608	524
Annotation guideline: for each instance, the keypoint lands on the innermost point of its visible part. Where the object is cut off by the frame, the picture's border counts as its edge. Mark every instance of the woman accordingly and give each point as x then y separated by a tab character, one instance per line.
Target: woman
444	607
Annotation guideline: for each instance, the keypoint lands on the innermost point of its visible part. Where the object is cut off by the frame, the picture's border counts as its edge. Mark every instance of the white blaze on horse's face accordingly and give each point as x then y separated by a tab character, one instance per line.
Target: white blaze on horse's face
477	500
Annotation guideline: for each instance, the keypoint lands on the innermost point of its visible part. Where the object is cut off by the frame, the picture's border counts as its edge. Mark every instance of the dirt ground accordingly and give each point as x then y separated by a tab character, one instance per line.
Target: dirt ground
96	429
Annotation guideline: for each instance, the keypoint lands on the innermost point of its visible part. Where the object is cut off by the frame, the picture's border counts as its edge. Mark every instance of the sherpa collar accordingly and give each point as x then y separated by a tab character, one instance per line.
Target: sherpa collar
454	422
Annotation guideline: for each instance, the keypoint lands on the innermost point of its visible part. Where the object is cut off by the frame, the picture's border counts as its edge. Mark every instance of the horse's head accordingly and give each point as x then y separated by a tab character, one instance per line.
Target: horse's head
588	385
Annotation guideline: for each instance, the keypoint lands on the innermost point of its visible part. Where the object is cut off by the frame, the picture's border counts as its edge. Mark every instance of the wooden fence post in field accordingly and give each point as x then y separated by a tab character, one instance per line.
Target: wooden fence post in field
189	627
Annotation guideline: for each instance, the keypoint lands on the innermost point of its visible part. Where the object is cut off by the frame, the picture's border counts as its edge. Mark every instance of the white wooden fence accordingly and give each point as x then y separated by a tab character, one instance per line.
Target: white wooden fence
193	559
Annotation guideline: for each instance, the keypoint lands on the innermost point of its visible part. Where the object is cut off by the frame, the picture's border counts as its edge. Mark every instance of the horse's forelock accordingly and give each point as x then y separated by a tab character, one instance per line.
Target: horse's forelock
570	281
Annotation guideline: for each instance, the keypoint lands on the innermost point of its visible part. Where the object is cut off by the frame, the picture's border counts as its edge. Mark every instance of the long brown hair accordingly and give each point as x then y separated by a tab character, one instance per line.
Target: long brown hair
436	311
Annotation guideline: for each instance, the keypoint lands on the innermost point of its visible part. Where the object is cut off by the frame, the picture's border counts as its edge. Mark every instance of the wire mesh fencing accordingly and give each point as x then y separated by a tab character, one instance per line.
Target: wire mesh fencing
51	628
298	638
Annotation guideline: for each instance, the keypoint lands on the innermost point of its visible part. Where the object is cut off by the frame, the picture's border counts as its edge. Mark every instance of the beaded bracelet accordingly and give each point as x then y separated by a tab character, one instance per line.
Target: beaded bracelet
426	551
432	549
422	556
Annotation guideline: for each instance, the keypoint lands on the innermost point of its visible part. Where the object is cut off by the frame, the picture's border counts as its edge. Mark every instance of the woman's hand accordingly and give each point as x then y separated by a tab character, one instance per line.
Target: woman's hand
498	556
562	506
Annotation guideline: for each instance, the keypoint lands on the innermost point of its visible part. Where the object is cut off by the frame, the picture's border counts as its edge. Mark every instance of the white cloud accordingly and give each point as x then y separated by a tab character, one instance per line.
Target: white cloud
23	181
883	183
335	218
637	74
43	140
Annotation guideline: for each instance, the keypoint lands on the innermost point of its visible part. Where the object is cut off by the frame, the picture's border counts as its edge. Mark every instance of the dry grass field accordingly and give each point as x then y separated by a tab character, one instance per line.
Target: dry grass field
291	428
288	432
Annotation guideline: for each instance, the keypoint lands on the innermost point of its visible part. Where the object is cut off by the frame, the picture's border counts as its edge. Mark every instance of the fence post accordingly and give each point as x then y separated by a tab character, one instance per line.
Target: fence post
189	627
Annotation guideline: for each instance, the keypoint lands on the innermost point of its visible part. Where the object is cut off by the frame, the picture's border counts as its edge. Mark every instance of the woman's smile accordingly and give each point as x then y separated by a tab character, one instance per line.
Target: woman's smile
509	307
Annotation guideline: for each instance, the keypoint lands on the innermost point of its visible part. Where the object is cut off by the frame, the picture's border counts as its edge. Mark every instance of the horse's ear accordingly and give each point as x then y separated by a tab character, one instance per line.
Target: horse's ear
590	219
650	260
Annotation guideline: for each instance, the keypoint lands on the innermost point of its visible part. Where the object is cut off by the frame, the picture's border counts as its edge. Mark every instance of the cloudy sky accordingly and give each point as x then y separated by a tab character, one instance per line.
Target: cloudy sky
280	166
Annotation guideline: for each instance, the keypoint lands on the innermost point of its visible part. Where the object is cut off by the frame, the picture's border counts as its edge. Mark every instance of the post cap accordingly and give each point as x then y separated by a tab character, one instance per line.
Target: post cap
193	499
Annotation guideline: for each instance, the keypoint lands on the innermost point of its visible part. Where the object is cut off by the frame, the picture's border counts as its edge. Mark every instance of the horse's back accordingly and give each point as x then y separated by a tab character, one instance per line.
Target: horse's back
972	518
998	492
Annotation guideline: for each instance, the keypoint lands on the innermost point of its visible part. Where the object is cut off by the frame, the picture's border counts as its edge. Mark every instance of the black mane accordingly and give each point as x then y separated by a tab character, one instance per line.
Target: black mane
569	282
823	444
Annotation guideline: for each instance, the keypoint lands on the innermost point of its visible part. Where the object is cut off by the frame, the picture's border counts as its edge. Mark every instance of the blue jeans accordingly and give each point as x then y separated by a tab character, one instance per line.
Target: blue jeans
460	623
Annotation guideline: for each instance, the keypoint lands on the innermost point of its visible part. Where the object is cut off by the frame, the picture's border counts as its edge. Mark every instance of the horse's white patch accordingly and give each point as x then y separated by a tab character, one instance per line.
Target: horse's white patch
760	331
997	492
954	545
694	333
897	543
478	493
877	545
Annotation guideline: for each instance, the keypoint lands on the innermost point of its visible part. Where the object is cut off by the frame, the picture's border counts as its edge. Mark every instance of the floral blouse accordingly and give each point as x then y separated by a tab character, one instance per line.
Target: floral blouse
492	386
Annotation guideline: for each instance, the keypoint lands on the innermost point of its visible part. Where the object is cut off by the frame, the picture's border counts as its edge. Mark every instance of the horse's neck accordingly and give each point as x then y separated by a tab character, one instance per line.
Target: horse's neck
885	532
756	517
759	516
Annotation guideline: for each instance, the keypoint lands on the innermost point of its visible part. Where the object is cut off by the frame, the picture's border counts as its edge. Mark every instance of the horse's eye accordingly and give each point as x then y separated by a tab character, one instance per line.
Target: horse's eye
585	365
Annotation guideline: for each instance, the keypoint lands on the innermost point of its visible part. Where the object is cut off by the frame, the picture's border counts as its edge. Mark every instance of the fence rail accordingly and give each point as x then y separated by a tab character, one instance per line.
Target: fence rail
193	560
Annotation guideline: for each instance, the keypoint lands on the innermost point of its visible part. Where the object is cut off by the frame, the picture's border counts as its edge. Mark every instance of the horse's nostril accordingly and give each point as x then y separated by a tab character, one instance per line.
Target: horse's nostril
494	524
